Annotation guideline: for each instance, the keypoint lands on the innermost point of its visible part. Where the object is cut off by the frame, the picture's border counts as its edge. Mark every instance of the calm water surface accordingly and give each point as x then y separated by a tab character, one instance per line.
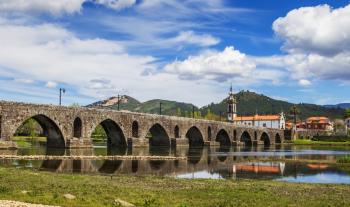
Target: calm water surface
206	162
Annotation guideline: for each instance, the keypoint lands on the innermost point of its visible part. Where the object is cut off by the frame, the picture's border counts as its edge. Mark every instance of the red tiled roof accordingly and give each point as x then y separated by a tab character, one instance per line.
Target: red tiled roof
258	118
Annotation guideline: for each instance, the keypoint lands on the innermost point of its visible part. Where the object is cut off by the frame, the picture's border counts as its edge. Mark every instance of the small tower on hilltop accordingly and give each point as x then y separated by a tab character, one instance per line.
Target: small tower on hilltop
231	106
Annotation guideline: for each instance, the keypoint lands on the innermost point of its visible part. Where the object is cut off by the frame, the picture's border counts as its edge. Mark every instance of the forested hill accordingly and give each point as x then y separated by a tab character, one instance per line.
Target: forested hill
248	103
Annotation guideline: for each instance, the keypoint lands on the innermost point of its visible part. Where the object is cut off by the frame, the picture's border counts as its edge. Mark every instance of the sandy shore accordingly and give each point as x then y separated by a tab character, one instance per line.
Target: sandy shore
6	203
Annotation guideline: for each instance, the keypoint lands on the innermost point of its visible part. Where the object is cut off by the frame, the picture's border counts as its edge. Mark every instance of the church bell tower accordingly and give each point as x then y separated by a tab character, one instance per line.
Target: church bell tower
231	106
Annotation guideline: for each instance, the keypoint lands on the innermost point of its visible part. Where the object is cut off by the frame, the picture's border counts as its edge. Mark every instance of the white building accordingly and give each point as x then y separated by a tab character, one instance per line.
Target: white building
231	107
269	121
347	123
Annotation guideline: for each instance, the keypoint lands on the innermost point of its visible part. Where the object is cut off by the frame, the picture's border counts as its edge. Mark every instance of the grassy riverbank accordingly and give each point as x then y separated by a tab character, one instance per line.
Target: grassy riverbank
311	142
49	188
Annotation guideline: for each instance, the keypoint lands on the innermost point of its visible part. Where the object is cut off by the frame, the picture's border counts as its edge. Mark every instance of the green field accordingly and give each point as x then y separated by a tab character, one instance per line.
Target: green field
95	190
310	142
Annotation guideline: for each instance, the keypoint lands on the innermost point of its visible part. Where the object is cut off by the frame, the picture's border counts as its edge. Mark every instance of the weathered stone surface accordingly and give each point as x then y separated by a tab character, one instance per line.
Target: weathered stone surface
59	126
7	203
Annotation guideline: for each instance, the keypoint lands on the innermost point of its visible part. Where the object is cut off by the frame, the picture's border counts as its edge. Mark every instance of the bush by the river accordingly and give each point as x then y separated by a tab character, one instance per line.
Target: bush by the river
331	138
345	159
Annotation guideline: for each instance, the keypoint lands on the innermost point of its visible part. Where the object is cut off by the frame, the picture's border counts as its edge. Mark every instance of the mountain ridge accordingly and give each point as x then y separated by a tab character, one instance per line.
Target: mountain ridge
248	103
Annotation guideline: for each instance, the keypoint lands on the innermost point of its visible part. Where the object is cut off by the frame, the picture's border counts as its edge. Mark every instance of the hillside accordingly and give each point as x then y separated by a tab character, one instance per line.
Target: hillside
248	103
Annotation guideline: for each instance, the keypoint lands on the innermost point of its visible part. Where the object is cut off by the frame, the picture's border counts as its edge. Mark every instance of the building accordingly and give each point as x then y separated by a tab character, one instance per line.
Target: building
318	123
347	123
270	121
231	107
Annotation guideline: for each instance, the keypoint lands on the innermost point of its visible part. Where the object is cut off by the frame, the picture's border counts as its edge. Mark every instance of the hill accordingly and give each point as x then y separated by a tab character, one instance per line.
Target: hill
341	105
248	103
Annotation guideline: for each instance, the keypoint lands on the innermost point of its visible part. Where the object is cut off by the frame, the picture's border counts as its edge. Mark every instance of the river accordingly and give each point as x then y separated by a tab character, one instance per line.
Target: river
285	163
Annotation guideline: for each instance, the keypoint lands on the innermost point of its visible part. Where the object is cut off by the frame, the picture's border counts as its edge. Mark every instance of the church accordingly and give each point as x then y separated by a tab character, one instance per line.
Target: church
277	121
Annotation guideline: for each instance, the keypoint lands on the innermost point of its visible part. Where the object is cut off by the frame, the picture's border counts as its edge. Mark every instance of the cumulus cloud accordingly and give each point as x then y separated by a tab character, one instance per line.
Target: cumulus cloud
318	29
58	7
229	64
317	42
54	7
213	65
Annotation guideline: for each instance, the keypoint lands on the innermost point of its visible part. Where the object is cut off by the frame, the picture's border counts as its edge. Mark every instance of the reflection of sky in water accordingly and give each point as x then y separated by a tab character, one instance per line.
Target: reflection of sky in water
200	174
283	153
319	178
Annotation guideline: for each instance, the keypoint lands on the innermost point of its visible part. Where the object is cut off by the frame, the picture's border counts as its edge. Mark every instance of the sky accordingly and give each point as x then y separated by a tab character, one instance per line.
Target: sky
189	51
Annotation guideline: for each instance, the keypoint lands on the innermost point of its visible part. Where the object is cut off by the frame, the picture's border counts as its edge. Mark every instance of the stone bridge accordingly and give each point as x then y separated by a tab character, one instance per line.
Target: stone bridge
69	127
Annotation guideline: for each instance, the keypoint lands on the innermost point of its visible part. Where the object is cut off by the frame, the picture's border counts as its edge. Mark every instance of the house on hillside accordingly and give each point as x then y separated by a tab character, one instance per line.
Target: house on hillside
319	123
270	121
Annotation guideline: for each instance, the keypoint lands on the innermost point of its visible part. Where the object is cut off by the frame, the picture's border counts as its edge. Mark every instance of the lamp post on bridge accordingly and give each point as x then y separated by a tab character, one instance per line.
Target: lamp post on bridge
62	90
160	108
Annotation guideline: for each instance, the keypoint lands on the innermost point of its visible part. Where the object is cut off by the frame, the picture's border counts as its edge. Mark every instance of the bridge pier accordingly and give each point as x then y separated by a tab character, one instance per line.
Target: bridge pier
75	143
181	142
7	144
138	142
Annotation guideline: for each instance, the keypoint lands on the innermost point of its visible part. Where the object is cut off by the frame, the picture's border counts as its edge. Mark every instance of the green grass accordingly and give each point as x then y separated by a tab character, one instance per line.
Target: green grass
95	190
310	142
28	139
345	159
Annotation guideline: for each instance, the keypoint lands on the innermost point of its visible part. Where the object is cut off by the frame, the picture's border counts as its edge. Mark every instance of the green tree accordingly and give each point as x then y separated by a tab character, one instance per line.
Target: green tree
99	134
29	128
178	112
347	113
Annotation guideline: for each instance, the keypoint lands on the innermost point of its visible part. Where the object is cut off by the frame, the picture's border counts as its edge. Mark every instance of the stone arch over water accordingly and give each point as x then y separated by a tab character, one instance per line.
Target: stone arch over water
50	129
195	137
115	135
246	138
223	138
77	127
158	136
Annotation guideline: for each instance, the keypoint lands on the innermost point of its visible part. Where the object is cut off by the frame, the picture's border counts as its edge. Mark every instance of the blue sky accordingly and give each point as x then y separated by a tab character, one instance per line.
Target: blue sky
189	51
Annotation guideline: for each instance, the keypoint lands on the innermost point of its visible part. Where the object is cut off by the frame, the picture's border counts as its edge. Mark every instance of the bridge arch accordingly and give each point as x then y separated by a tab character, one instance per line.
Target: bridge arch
115	135
51	131
135	129
195	137
158	136
265	138
77	127
223	138
246	138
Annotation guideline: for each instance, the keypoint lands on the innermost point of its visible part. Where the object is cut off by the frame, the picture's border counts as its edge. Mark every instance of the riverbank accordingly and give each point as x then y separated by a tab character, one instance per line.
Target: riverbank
95	190
311	142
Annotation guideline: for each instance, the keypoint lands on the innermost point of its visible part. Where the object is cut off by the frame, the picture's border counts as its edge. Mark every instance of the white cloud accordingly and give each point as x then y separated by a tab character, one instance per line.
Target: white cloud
51	84
317	40
318	29
304	82
229	64
213	65
55	7
116	4
96	68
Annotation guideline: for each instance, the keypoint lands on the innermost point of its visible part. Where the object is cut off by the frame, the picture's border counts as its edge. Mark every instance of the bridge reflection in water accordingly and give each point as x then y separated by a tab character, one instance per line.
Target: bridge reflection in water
206	162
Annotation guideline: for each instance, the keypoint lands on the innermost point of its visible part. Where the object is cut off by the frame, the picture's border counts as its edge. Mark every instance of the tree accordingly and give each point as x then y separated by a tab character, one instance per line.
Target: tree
178	112
347	113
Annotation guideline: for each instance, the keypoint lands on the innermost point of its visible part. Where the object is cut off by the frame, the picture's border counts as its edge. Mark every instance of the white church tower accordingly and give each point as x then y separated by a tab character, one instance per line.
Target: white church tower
231	107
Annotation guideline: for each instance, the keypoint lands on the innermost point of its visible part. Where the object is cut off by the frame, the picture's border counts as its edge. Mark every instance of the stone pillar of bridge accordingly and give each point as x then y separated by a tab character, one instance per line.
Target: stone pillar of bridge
181	142
138	142
74	143
6	134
